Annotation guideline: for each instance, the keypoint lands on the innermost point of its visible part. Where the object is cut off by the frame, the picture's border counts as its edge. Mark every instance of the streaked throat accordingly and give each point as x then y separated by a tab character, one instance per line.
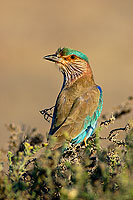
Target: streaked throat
72	72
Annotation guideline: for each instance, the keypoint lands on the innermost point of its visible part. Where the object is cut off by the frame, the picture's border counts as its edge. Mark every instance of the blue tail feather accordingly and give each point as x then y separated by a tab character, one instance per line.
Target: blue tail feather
84	133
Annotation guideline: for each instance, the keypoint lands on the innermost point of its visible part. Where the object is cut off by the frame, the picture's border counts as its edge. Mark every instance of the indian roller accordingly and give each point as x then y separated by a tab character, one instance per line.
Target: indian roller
79	103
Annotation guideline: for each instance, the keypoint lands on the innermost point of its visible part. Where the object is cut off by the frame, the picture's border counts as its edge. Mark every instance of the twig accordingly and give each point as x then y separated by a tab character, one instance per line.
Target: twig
47	113
108	122
29	161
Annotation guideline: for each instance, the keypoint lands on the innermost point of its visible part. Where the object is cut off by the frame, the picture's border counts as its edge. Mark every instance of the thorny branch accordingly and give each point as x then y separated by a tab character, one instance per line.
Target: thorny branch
120	110
113	133
106	123
47	113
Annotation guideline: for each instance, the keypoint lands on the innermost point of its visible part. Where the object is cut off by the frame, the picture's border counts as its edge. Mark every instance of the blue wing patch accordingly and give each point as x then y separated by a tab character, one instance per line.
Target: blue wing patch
90	122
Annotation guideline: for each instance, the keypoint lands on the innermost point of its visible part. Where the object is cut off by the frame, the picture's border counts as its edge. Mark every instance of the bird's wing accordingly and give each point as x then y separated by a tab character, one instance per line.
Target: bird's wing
82	107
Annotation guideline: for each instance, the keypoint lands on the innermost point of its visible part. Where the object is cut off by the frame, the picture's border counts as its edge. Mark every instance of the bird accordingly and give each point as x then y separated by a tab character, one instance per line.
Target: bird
80	100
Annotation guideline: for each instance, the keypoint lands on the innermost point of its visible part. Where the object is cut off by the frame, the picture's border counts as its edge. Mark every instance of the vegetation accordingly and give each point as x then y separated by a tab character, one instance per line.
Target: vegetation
70	173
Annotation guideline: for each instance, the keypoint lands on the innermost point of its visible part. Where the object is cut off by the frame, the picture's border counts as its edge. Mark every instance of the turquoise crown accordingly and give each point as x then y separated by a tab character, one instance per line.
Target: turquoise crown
67	51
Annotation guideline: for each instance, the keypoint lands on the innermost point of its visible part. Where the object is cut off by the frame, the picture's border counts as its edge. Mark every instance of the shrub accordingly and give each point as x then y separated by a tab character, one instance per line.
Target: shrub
72	172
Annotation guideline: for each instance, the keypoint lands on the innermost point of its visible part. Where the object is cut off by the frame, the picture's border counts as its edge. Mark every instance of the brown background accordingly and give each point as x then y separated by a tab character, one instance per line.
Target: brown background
30	29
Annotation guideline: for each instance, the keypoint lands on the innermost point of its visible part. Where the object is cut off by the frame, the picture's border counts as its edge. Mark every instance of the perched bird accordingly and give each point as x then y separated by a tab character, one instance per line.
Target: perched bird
79	103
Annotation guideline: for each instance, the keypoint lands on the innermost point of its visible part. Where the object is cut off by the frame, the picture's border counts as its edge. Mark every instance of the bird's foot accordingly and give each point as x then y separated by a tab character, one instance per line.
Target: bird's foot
85	142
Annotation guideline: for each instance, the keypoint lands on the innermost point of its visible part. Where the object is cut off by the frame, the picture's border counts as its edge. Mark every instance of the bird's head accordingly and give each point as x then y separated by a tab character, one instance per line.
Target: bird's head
73	64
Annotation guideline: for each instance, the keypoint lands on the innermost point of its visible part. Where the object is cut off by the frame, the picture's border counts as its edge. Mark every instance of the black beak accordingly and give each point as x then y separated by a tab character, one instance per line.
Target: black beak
52	58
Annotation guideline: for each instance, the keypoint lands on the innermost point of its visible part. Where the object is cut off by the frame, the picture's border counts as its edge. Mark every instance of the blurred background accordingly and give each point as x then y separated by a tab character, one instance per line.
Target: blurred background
30	29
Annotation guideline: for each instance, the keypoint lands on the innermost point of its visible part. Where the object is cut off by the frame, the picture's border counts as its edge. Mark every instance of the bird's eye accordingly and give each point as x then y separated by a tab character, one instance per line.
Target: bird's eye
72	56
